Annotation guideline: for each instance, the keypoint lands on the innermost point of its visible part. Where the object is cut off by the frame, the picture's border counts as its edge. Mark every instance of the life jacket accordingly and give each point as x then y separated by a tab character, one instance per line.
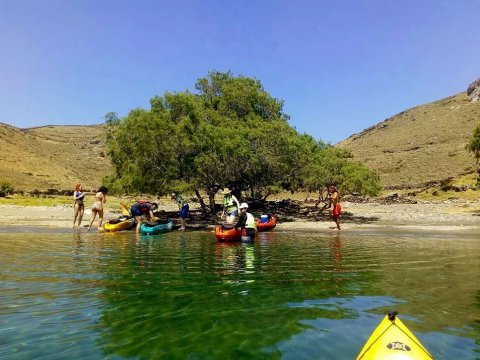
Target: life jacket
228	202
250	223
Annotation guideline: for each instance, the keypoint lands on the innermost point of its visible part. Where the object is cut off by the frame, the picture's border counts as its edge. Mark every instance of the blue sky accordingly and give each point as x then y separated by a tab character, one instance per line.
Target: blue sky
340	66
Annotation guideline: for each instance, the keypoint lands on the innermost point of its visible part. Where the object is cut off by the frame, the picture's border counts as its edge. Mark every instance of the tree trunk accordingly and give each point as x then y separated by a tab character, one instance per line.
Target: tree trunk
202	203
211	199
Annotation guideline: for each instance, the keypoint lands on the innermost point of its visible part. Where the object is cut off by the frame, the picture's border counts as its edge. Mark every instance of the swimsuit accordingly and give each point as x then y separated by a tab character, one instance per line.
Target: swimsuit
184	211
79	200
337	210
98	204
183	206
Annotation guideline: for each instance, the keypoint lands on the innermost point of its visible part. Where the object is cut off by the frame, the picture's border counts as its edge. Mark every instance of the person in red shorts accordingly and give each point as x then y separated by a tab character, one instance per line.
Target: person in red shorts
336	208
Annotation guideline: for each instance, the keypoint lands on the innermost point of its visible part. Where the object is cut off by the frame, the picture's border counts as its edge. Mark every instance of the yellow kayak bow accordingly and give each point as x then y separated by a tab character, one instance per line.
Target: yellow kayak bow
392	340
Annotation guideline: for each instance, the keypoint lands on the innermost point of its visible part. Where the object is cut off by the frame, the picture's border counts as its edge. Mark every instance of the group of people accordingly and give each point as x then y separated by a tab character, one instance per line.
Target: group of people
140	210
97	207
232	209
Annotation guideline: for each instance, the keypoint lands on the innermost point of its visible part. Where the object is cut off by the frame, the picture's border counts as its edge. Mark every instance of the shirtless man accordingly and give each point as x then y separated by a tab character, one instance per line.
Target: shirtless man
336	208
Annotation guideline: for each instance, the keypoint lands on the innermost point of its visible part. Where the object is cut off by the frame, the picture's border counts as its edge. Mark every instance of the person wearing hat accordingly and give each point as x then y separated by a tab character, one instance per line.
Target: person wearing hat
246	221
183	207
230	206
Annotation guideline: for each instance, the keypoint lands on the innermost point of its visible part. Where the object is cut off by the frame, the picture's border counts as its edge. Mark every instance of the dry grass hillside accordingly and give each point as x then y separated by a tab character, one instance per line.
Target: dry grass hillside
419	145
53	157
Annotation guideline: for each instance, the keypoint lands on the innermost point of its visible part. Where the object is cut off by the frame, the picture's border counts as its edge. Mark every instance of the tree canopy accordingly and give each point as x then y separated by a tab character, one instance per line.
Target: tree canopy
230	133
474	143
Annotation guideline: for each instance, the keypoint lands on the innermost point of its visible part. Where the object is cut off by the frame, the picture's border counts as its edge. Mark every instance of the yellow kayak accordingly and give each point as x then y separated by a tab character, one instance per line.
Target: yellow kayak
392	340
123	223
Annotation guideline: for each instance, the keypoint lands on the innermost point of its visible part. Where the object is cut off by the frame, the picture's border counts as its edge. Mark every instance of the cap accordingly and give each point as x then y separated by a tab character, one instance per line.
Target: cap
243	206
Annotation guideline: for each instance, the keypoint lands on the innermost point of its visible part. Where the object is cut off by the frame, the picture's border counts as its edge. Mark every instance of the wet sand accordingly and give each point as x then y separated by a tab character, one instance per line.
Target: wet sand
442	216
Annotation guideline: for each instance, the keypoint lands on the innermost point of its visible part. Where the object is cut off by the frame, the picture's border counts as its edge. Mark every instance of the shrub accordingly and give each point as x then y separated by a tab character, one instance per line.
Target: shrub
6	188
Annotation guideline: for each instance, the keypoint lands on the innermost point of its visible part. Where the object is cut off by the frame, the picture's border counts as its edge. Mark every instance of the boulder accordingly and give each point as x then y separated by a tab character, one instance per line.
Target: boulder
473	91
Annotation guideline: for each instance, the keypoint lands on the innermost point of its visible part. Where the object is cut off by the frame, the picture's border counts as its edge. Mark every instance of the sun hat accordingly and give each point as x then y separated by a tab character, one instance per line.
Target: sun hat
226	191
243	206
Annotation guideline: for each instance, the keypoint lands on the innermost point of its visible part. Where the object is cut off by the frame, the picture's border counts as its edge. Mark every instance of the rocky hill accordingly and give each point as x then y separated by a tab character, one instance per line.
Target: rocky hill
53	157
420	145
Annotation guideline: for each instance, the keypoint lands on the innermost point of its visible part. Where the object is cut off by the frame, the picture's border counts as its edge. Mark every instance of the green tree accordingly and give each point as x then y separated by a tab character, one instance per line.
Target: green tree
230	133
334	166
474	146
6	188
140	147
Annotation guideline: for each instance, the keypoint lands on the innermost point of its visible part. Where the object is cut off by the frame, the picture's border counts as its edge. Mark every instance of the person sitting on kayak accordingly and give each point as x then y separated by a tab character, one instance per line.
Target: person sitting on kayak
183	207
246	221
141	209
230	206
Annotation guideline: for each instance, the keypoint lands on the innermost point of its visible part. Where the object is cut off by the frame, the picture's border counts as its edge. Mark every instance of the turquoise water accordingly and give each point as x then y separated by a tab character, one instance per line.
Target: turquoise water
290	295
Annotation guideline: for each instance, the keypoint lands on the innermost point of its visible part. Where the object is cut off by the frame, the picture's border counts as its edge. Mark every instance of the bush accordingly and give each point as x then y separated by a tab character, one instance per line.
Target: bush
6	188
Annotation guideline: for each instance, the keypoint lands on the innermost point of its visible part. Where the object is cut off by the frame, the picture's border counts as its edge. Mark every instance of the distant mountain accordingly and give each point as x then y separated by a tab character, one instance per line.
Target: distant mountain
422	144
53	157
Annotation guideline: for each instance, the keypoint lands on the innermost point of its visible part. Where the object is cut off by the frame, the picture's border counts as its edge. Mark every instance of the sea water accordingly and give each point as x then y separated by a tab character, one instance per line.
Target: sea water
69	294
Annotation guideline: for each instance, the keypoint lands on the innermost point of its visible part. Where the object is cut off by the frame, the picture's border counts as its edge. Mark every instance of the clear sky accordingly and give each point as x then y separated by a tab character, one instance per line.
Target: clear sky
340	66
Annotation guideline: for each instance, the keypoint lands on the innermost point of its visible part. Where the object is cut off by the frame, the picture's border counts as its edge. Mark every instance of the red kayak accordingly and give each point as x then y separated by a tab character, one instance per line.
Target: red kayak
265	226
227	232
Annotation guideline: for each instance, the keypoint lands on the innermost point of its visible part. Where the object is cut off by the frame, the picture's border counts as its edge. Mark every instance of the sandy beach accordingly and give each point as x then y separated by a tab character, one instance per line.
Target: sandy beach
454	215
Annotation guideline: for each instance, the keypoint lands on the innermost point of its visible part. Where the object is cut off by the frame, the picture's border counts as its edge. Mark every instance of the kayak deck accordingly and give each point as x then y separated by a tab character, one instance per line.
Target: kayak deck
392	340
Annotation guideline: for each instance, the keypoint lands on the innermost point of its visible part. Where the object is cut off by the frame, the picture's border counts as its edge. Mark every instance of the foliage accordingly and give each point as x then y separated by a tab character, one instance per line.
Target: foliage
6	188
333	166
231	133
474	144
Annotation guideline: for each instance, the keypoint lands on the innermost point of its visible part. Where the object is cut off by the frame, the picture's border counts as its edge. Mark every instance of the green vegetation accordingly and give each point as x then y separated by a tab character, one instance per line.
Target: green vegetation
231	133
6	188
474	146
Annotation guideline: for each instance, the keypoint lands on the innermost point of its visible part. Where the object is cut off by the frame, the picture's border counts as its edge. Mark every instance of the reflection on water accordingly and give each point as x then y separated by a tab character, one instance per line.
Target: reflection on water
183	295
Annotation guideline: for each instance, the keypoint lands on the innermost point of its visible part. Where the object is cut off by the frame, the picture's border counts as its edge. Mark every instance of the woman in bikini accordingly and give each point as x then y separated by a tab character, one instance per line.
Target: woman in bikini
78	207
97	207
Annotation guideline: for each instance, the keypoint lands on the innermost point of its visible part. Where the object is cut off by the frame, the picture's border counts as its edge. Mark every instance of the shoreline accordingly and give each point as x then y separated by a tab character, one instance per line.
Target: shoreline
451	216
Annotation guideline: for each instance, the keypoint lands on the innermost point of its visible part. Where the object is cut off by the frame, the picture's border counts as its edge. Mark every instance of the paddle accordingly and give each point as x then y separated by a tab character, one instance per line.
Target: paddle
125	210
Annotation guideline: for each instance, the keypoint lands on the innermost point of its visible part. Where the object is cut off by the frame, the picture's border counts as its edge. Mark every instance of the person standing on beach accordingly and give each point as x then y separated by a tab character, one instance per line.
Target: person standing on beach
97	207
336	208
78	207
183	207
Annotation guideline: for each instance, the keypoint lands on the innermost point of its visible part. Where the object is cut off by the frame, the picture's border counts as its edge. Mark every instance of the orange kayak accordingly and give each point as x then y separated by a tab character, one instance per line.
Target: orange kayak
269	225
227	233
